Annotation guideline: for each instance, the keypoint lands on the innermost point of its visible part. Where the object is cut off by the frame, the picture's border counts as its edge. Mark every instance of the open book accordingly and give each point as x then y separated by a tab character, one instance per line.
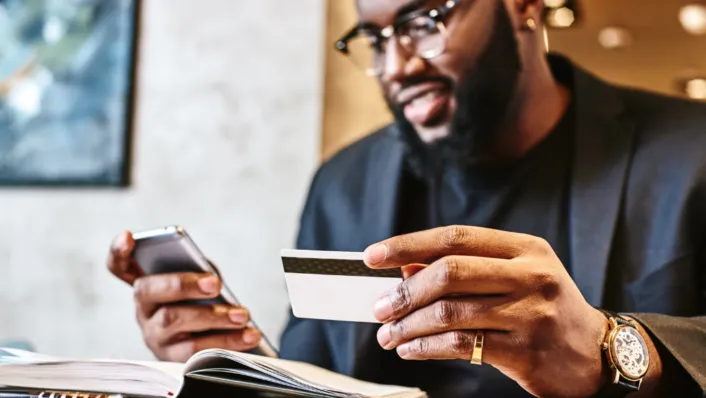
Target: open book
25	371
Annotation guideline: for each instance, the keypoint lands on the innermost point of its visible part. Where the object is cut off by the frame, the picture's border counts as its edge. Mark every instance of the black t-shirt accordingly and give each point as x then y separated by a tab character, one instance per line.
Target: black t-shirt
530	196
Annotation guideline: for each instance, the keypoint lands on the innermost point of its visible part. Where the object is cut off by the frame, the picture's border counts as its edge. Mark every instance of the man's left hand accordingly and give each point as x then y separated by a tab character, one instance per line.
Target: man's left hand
539	329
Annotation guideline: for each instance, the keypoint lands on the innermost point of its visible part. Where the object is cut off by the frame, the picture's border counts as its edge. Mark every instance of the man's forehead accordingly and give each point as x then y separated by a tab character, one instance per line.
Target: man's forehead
386	11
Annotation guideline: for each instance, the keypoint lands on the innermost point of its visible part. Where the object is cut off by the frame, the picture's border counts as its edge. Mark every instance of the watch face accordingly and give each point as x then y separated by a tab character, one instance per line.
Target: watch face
630	352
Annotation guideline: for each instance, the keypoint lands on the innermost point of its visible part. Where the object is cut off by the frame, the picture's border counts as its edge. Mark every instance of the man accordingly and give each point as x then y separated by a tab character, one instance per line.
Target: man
589	196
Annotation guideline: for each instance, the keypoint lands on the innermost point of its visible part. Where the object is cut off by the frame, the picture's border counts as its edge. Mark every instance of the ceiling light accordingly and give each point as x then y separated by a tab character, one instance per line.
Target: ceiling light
561	17
693	18
613	37
696	88
555	3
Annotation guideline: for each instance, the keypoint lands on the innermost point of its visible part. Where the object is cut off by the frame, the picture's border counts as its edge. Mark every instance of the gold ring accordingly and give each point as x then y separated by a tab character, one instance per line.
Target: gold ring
477	355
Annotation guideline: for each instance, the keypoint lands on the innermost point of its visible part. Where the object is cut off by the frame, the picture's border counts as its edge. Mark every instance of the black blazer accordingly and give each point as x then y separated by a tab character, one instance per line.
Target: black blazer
637	225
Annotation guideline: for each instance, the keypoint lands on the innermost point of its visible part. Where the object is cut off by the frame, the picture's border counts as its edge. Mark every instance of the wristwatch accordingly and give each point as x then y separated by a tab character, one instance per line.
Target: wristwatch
627	356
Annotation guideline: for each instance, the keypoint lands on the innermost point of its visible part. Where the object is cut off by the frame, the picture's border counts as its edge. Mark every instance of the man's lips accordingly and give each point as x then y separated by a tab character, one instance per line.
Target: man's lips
407	95
425	104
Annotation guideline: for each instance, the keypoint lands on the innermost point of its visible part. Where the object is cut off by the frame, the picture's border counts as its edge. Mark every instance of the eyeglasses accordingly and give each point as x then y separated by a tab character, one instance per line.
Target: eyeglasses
422	34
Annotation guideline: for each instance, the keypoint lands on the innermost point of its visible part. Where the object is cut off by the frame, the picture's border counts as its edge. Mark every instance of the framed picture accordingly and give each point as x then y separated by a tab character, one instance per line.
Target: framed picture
66	87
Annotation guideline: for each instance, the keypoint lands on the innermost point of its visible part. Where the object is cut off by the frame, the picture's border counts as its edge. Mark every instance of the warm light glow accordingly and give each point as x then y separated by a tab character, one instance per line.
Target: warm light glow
693	18
555	3
696	89
546	38
613	37
561	17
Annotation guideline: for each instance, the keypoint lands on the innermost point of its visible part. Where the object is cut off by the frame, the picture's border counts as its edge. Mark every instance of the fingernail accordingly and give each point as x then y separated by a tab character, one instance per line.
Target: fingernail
251	336
403	351
238	317
376	254
384	336
121	244
209	284
383	309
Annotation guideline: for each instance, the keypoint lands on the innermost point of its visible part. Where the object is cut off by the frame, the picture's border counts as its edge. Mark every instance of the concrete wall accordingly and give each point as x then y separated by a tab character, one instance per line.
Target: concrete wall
227	136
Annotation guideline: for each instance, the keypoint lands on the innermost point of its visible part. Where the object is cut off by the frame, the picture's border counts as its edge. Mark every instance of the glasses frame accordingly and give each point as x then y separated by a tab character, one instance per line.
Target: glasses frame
381	36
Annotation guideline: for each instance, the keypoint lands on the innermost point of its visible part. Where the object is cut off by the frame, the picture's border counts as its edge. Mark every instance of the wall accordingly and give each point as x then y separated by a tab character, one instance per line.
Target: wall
227	136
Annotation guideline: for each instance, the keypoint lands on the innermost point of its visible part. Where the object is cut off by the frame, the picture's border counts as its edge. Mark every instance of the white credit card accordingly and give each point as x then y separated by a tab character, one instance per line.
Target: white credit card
335	286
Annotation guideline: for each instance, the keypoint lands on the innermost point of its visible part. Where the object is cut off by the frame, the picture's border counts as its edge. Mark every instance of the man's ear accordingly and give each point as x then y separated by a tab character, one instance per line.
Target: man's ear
529	8
529	13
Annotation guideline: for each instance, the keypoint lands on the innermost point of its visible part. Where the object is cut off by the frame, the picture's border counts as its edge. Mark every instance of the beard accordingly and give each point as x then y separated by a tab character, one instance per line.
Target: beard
483	98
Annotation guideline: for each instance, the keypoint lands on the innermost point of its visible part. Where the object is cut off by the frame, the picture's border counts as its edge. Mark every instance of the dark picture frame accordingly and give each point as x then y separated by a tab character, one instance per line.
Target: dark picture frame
67	90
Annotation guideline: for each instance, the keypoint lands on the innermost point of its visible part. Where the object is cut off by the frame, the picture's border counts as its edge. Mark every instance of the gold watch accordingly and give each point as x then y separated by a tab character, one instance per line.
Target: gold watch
627	355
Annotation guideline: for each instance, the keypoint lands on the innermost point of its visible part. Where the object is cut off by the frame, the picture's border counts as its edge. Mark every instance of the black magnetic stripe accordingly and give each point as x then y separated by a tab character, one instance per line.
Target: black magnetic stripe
295	265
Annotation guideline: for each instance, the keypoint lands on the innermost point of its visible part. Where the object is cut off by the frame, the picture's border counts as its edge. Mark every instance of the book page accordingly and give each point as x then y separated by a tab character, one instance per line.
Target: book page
31	370
332	380
173	369
322	378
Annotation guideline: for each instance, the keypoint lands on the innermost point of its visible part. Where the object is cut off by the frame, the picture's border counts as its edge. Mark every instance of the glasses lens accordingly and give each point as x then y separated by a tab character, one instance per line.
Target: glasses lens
423	36
365	53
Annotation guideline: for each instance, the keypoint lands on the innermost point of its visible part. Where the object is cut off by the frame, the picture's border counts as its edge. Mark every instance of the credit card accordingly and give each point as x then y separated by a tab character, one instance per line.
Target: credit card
335	286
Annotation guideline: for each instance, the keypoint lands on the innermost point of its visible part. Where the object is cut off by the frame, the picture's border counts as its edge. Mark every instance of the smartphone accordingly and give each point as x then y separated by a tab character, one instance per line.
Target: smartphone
170	250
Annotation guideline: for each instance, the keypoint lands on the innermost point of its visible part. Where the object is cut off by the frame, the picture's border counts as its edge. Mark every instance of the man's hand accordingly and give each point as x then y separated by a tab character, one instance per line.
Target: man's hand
539	330
169	329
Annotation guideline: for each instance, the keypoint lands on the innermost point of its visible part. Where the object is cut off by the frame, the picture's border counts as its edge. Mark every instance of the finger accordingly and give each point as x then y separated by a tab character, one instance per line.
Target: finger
409	271
485	313
428	246
453	275
120	261
236	341
154	290
169	322
498	347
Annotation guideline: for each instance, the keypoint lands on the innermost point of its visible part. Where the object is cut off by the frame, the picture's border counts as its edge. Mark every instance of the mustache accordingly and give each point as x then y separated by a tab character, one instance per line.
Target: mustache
414	81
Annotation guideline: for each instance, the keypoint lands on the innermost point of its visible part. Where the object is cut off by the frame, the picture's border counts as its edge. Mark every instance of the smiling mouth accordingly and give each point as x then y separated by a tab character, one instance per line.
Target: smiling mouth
428	107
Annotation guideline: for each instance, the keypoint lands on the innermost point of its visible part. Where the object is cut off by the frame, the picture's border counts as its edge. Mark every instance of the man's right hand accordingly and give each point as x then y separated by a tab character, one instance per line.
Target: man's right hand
169	328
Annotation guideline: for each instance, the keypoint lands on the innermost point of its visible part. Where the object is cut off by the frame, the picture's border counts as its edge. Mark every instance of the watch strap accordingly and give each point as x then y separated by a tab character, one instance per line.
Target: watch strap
619	390
618	318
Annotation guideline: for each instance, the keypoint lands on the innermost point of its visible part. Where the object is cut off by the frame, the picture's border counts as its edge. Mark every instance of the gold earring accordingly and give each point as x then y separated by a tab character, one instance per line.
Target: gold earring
531	25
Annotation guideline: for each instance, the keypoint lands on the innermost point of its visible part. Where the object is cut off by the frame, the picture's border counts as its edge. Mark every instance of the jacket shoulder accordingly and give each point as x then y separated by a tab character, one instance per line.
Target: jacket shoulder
663	115
671	132
670	152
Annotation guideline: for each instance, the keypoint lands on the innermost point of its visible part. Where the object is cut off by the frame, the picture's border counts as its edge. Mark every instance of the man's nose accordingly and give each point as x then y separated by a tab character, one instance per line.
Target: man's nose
399	62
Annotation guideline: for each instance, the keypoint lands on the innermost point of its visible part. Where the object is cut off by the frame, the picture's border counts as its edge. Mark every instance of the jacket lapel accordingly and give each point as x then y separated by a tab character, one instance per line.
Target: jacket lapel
604	141
382	187
380	197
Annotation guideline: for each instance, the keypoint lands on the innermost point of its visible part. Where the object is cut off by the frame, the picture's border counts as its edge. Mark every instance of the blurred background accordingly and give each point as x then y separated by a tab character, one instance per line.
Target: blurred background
213	114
